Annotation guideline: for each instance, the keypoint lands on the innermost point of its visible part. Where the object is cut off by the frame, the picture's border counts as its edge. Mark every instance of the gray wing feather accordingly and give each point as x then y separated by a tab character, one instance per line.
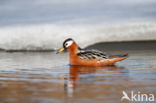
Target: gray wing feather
91	54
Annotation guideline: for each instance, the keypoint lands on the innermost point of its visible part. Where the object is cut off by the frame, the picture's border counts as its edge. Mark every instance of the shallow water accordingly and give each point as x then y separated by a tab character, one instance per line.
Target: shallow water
44	77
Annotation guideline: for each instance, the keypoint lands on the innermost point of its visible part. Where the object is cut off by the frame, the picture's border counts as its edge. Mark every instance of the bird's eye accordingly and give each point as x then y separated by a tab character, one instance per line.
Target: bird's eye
67	44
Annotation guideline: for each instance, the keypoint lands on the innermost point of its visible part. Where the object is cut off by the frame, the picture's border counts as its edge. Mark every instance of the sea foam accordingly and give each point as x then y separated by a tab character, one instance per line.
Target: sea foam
44	37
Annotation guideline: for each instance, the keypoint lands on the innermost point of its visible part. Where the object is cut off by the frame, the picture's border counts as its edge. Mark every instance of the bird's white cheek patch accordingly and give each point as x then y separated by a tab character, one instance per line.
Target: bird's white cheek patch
69	43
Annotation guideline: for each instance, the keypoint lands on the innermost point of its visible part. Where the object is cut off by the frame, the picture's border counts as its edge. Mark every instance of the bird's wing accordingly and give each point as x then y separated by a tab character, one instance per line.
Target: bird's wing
92	55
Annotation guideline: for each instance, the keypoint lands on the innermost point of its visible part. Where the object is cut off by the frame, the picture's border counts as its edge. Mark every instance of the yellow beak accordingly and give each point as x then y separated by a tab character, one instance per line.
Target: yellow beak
59	51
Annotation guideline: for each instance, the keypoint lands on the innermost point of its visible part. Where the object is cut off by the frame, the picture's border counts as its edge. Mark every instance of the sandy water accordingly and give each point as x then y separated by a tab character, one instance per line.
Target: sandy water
44	77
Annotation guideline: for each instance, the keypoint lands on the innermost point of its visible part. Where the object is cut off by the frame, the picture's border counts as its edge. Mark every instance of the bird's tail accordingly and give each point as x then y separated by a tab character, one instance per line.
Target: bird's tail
113	59
116	58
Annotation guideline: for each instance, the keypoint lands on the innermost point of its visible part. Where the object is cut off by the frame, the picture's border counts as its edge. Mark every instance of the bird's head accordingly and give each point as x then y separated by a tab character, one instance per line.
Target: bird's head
67	44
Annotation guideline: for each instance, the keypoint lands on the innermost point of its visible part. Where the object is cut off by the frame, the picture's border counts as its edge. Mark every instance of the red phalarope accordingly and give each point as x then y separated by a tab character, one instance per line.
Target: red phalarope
84	57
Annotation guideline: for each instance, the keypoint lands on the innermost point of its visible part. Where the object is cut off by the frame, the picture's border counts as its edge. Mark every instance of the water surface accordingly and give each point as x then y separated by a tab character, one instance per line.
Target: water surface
44	77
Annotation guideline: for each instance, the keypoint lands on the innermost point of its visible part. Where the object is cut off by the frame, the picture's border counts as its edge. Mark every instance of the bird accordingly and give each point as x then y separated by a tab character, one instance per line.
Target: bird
84	57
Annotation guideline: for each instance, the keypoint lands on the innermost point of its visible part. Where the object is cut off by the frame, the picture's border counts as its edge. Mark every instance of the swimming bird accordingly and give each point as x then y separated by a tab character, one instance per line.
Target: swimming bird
83	57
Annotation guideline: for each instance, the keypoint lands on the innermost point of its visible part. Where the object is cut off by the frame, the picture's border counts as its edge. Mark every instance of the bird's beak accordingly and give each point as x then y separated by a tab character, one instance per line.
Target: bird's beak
59	51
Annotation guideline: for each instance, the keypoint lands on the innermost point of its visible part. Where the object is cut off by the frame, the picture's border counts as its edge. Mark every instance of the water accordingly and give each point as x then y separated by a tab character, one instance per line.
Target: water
50	37
44	77
76	11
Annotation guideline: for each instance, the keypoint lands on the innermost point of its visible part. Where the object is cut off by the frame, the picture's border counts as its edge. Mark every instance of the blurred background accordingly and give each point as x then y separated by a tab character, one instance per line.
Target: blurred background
44	24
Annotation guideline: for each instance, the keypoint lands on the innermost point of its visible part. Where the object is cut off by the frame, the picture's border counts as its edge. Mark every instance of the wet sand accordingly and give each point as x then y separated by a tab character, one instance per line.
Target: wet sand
44	77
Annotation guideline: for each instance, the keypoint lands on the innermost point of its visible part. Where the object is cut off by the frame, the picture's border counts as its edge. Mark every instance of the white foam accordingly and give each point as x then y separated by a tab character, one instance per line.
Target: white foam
51	36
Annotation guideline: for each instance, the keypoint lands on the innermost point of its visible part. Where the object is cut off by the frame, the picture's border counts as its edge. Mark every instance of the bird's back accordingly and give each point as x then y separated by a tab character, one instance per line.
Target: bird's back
91	54
98	58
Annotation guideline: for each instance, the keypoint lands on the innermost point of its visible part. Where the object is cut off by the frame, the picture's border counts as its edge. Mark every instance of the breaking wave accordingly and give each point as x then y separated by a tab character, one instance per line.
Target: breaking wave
45	37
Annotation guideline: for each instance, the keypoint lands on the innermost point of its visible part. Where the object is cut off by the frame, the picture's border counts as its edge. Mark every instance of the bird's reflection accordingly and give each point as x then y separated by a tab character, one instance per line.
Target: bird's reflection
74	72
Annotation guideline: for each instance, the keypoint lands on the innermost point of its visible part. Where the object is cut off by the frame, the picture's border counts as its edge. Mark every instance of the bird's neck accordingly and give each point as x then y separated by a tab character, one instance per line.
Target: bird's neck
73	53
73	49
